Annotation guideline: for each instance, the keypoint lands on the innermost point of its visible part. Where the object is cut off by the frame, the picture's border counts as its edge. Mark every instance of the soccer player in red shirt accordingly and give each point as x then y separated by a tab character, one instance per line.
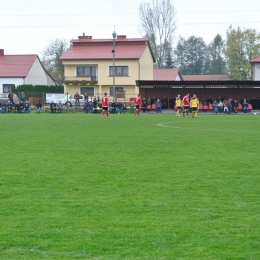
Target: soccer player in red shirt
105	105
186	104
137	102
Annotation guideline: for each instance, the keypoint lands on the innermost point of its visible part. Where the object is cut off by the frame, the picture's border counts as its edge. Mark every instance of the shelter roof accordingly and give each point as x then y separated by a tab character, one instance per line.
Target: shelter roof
206	77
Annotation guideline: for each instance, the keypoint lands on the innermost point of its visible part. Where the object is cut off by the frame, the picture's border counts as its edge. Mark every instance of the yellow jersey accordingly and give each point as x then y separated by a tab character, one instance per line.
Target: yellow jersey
194	102
178	102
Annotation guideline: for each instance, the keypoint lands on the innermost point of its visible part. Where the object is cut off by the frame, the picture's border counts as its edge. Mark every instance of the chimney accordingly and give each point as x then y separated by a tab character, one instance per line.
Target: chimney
2	52
85	37
121	36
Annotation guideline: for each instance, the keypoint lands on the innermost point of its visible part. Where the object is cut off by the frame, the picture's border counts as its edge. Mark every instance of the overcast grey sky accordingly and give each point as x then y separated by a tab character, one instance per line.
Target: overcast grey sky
28	26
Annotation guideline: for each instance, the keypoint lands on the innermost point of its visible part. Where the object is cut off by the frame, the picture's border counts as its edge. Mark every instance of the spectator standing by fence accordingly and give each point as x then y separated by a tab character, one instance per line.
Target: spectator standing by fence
11	97
86	97
23	97
77	96
158	106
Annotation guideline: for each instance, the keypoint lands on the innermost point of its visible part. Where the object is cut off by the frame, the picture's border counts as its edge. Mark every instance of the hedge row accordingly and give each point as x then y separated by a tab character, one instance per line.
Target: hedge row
37	88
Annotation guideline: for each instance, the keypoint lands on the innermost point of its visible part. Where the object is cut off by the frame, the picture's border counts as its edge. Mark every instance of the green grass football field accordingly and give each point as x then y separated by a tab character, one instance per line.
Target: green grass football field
154	186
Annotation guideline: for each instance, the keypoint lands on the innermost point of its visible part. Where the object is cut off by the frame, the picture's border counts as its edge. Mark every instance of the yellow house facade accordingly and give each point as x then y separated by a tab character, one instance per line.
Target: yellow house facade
90	66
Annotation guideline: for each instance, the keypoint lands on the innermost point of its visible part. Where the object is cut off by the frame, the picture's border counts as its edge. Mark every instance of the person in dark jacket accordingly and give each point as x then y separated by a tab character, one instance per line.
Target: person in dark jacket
11	97
144	104
53	107
38	107
26	107
21	107
119	107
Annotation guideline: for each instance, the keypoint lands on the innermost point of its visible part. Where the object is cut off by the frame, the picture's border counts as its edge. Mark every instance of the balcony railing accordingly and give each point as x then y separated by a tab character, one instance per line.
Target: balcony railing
87	78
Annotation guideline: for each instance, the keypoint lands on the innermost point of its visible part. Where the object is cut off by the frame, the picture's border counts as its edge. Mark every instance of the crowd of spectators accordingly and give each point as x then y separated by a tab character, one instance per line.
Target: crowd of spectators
220	104
18	107
228	105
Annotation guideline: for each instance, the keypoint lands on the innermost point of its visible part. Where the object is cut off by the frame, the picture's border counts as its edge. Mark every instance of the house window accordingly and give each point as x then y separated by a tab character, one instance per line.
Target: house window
119	71
7	88
121	89
87	71
89	90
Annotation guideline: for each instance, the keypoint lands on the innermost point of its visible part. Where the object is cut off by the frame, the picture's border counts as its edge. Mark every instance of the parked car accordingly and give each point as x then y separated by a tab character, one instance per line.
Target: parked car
4	98
70	100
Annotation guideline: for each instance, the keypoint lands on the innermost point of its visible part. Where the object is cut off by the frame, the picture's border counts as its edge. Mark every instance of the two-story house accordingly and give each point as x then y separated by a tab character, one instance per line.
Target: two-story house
256	68
22	69
90	65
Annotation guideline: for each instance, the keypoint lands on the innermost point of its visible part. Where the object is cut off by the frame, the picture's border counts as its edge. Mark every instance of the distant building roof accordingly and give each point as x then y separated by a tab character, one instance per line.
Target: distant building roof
16	65
86	48
256	60
206	77
166	74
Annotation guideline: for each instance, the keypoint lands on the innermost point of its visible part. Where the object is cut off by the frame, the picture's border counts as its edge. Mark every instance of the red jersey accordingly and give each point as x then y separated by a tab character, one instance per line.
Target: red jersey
138	101
105	101
186	101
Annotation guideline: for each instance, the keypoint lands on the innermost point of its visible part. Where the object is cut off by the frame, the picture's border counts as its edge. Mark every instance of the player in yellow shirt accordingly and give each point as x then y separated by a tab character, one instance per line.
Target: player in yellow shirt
194	103
178	105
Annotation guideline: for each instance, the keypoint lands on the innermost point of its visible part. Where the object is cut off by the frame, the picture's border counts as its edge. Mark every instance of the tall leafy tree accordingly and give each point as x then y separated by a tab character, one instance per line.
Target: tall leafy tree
192	56
217	62
158	25
51	55
242	45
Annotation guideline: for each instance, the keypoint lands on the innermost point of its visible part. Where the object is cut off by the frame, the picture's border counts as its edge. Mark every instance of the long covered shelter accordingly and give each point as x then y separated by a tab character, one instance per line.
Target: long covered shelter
203	89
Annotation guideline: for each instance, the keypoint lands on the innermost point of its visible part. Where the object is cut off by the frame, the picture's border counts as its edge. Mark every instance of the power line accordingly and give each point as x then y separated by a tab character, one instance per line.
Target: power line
121	25
94	14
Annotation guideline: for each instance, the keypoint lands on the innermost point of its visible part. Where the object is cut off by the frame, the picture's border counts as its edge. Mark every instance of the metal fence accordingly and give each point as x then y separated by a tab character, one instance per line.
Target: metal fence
34	97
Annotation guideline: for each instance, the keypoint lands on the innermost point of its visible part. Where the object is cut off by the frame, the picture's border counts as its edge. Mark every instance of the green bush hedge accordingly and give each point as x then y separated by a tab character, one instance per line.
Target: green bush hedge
37	88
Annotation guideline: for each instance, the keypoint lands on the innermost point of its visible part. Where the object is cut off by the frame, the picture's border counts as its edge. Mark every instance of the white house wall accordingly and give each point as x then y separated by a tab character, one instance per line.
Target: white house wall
36	75
178	77
13	81
257	71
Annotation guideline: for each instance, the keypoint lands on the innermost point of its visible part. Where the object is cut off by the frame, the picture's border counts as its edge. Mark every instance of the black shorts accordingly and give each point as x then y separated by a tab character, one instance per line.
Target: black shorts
179	108
194	109
105	108
137	106
186	107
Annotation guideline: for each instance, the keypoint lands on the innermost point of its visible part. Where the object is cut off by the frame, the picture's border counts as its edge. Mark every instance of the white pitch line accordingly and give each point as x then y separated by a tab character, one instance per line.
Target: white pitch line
207	129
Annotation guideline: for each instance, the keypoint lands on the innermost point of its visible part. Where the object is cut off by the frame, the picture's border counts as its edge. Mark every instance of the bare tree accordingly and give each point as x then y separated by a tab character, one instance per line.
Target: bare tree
51	55
158	25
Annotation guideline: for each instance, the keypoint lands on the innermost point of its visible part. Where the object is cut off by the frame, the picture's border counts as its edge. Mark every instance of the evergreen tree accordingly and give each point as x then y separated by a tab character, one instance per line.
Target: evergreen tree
192	56
217	62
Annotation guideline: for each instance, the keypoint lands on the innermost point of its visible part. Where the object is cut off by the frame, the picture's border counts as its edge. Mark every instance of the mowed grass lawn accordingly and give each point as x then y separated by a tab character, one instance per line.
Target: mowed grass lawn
154	186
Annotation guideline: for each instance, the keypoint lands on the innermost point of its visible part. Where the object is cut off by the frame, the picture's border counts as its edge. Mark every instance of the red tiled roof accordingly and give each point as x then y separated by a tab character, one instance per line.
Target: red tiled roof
256	60
99	49
206	77
166	74
16	65
101	52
